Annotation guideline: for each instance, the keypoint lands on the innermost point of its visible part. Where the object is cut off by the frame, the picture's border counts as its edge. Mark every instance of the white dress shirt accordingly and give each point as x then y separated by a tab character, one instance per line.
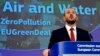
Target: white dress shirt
68	30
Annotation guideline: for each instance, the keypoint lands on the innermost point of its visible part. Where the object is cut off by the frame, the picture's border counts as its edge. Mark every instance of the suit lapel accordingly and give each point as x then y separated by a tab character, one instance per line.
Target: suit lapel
65	33
78	34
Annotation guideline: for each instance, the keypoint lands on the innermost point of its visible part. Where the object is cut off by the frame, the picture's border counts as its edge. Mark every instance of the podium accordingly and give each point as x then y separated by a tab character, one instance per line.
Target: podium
21	52
75	49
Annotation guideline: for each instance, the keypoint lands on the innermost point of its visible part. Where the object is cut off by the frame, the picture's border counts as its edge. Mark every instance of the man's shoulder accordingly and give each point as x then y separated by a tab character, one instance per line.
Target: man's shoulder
60	29
80	29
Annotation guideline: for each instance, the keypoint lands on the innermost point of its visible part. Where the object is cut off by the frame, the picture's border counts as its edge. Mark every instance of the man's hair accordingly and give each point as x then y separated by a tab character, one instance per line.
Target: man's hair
67	9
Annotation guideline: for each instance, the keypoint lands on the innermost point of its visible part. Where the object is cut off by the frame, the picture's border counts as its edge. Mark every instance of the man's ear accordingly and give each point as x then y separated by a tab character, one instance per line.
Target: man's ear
64	18
77	17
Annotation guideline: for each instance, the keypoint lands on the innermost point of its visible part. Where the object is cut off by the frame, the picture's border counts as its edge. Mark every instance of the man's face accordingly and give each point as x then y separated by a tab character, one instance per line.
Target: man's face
70	16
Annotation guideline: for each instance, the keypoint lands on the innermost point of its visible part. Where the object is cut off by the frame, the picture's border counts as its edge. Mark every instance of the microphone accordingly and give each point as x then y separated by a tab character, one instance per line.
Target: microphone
91	37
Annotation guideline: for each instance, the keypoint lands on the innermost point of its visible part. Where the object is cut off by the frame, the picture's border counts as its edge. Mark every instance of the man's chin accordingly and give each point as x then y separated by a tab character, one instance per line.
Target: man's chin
71	22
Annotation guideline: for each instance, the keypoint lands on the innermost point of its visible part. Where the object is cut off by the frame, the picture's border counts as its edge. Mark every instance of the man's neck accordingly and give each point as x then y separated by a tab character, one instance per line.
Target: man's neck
71	25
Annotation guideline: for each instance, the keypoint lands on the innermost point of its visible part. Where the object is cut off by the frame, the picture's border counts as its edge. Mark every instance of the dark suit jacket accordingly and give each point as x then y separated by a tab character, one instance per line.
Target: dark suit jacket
62	35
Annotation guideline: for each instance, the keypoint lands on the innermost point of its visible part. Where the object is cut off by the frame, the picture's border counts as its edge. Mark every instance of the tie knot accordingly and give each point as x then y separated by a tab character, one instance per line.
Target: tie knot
71	29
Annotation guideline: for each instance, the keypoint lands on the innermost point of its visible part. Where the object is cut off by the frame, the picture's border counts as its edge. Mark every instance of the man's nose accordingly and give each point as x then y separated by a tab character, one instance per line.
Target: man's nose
71	16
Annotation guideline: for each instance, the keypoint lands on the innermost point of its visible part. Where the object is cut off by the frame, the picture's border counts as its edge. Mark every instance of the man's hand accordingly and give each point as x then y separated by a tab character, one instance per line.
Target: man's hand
45	52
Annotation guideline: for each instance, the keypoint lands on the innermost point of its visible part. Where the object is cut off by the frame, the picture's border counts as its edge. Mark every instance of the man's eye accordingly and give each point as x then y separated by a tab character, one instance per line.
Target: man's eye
68	12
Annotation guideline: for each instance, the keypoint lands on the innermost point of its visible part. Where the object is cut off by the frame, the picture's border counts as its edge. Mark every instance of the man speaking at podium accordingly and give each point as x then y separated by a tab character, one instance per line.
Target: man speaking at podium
70	32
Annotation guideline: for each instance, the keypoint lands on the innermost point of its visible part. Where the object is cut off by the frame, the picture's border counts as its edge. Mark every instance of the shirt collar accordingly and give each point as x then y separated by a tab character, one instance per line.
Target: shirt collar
68	27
